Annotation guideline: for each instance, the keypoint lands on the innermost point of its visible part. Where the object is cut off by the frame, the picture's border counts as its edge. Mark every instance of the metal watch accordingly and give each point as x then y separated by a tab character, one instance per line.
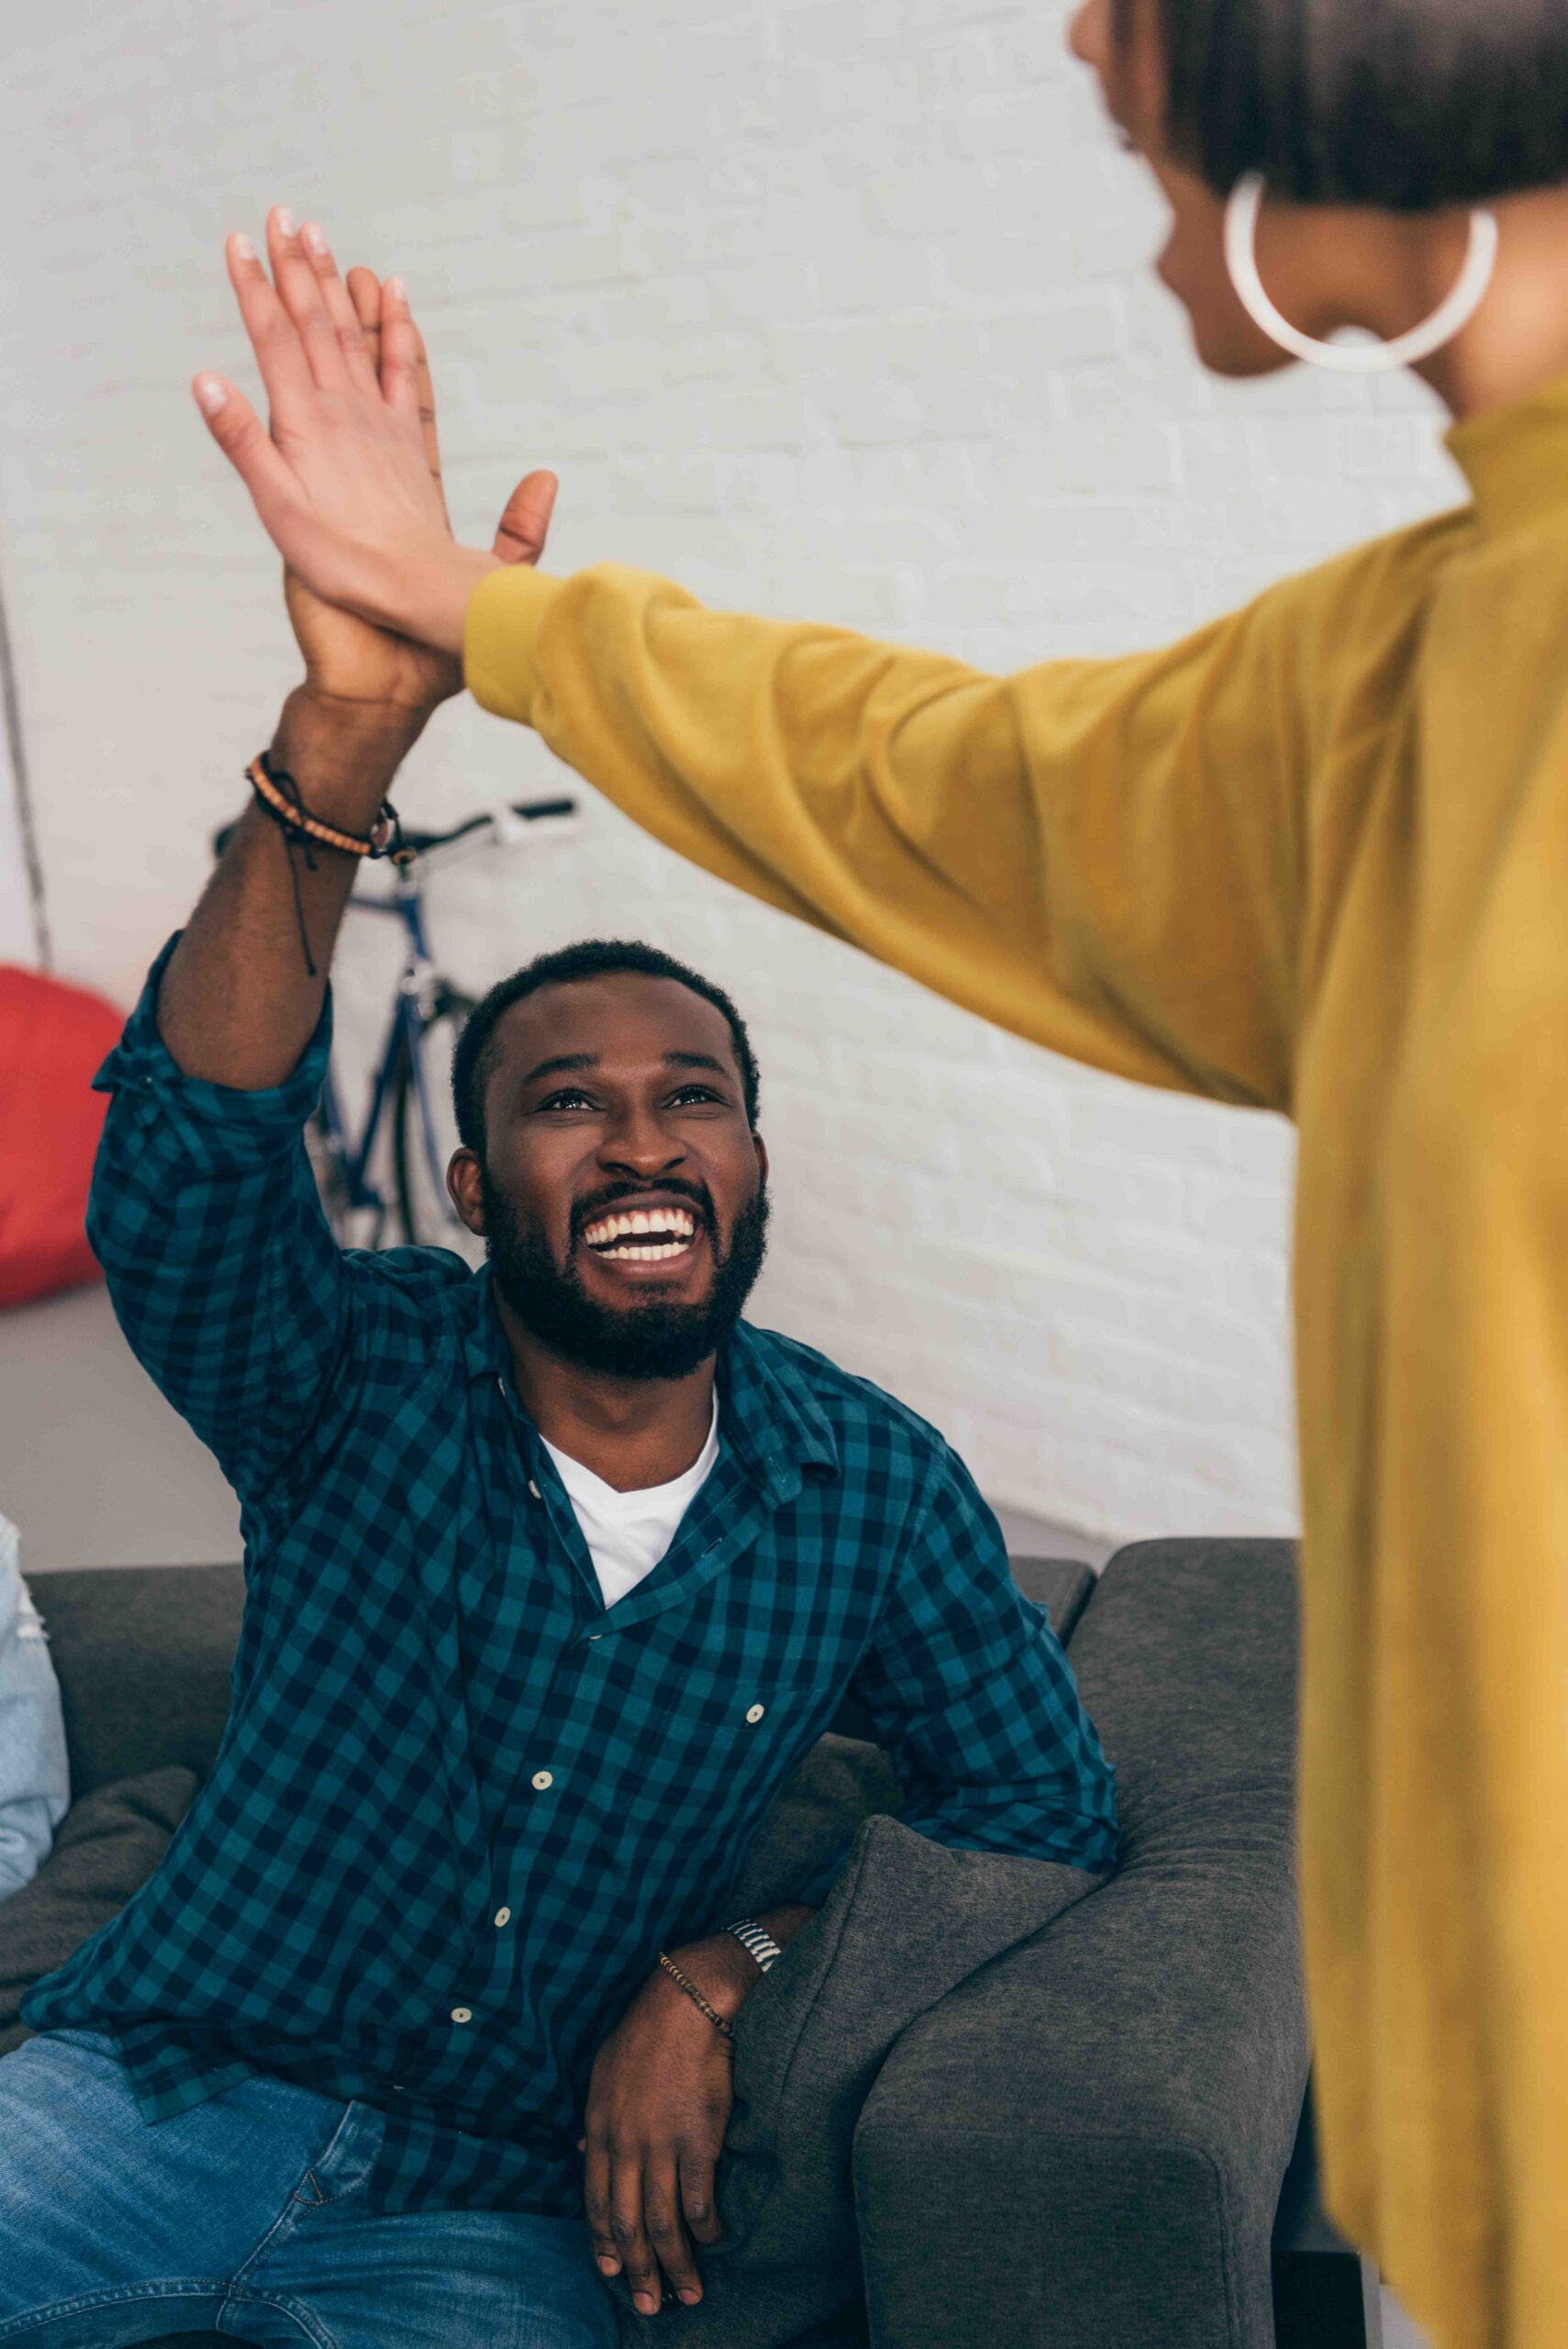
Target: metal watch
750	1936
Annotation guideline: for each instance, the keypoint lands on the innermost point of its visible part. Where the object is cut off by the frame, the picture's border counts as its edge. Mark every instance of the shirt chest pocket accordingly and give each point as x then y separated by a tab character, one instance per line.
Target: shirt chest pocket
723	1728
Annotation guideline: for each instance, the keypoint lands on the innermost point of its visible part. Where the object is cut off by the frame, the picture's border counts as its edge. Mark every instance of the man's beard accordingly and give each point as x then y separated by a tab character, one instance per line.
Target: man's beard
651	1340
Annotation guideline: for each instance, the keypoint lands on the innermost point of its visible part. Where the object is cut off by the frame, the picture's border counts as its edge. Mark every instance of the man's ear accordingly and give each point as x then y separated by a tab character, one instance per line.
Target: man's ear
760	1148
464	1181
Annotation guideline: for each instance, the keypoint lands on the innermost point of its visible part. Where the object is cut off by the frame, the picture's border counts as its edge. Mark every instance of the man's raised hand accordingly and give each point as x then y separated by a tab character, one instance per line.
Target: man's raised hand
343	480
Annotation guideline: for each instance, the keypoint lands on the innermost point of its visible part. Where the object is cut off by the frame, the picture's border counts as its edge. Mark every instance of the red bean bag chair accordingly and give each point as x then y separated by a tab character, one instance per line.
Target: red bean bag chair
52	1038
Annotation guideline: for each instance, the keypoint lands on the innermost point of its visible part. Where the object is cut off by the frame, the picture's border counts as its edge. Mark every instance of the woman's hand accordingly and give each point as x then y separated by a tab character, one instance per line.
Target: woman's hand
342	480
349	662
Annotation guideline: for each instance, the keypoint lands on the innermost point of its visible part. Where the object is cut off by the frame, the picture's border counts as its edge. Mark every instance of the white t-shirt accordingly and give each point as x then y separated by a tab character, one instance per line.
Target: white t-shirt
627	1533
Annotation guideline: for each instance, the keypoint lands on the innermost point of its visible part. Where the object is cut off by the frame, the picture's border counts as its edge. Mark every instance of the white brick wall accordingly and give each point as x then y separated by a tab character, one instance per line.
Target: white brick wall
833	309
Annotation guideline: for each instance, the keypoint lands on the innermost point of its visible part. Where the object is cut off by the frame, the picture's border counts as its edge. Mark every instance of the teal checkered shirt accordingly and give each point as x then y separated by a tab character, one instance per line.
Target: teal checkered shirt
459	1806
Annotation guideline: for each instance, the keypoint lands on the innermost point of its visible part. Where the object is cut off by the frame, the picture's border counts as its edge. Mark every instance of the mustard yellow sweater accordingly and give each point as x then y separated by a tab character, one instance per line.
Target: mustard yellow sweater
1314	858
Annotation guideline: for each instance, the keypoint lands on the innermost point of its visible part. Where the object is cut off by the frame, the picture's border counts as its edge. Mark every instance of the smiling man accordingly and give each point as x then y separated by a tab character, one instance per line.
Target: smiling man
554	1570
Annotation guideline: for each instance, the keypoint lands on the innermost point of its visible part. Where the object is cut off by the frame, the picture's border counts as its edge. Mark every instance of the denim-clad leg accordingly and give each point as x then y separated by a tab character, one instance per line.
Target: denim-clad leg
245	2215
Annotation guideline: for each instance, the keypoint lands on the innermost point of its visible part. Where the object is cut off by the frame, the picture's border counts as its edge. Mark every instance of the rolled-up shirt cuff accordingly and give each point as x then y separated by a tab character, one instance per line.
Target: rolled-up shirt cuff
235	1127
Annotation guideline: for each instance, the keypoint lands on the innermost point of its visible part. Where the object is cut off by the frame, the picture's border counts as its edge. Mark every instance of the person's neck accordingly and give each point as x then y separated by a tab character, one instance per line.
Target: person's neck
633	1432
1518	341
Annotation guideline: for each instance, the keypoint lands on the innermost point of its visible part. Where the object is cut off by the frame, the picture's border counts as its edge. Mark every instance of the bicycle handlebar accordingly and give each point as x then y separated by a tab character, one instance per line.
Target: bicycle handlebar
421	843
531	810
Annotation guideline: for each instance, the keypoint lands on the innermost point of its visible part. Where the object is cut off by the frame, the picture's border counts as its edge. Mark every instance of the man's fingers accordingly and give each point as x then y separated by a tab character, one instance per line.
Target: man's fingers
399	351
597	2201
364	292
662	2220
246	443
299	289
627	2235
698	2203
341	310
274	338
428	408
525	520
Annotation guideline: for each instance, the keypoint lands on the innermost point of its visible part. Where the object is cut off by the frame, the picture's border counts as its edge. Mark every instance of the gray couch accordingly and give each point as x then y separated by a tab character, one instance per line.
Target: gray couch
983	2103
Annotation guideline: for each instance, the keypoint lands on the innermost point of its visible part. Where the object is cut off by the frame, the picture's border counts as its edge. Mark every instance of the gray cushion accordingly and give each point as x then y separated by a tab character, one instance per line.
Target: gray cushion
1084	2143
905	1921
824	1800
108	1843
143	1655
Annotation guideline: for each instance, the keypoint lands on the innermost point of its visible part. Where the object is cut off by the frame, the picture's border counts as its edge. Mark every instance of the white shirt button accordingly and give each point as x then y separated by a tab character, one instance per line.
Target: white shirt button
463	2014
543	1778
535	1490
502	1916
755	1712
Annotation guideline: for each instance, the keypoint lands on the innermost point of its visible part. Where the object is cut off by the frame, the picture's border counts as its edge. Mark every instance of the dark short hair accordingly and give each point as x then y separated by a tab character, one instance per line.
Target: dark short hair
1408	104
474	1062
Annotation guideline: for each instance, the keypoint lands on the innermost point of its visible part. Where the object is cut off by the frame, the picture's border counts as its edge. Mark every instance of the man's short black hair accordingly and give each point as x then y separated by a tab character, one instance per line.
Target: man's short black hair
593	958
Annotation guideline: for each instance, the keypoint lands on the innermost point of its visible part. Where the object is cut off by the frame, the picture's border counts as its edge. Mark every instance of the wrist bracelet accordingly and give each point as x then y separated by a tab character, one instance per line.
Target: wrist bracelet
278	796
280	799
696	1996
752	1937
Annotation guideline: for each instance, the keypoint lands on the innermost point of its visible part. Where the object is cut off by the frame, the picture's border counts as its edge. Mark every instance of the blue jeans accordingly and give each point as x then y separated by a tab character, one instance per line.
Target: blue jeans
245	2215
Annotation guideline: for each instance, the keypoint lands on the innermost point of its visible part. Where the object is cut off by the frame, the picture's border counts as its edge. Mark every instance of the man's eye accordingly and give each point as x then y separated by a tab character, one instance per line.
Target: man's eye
696	1093
569	1100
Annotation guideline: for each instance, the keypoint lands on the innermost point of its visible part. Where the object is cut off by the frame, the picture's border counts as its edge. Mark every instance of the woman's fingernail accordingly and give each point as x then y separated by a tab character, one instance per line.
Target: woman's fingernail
283	220
396	290
210	394
243	247
313	237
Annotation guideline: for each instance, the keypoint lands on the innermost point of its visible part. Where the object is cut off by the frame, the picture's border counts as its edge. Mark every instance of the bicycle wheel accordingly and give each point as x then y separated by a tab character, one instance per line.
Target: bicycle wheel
424	1128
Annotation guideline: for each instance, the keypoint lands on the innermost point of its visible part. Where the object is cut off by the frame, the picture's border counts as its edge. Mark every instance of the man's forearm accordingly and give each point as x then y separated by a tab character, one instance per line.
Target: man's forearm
239	1003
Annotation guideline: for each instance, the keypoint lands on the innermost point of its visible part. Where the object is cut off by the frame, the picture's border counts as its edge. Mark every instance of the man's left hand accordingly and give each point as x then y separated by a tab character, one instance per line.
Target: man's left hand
658	2106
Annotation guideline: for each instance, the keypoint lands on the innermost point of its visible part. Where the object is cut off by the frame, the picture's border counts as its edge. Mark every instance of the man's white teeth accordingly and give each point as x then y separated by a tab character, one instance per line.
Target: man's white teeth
662	1225
646	1255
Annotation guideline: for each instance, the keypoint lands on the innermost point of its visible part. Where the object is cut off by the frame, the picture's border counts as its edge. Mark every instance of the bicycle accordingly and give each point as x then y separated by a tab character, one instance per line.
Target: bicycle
402	1101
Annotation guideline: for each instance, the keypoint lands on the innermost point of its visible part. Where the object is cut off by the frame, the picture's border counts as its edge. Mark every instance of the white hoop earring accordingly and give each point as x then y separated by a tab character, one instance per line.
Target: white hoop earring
1352	358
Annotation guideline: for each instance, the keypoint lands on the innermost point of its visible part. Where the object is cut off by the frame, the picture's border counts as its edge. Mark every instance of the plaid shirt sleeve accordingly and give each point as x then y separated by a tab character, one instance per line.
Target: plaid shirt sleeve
223	1270
976	1701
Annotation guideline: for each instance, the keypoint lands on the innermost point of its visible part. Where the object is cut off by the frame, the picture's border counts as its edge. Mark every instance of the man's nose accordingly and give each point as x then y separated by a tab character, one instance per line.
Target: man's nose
638	1144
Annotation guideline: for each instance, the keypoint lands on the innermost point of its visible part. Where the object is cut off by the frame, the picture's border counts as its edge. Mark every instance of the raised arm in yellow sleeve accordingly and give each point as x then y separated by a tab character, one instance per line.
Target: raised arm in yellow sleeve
1103	856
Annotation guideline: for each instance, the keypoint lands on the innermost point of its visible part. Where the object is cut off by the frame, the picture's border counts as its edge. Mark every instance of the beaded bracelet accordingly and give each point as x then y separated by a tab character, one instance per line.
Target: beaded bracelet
280	796
690	1987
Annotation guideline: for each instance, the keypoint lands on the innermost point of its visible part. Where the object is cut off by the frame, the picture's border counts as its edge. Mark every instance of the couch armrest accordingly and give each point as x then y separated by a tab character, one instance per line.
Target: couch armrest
1085	2142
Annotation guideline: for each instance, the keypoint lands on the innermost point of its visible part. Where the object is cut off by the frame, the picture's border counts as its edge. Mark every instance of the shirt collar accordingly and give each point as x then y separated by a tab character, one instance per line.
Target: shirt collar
772	1418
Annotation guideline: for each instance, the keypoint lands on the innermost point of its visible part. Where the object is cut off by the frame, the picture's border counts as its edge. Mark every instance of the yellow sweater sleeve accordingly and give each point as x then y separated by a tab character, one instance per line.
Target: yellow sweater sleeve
1103	856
